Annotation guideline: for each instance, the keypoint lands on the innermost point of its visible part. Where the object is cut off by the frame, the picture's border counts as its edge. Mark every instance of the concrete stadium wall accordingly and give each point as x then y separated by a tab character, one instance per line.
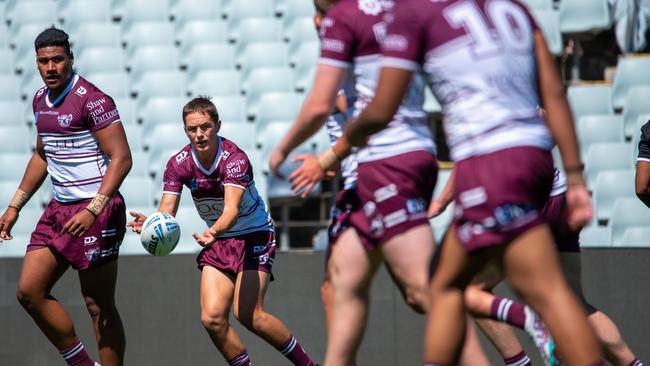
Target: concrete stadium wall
158	301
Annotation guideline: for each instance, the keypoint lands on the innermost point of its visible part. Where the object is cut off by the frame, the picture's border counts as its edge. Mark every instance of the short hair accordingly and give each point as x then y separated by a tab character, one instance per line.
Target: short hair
53	36
201	104
322	6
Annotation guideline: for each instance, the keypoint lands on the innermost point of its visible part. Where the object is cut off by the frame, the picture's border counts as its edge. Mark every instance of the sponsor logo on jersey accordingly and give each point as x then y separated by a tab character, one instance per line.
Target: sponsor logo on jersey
385	192
181	156
259	249
105	117
90	240
92	254
40	91
65	120
225	155
415	205
377	226
395	42
333	45
395	218
81	91
263	259
369	208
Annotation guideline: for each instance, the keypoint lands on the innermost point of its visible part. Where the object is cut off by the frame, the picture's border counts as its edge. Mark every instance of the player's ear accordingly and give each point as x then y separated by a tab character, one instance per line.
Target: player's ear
218	126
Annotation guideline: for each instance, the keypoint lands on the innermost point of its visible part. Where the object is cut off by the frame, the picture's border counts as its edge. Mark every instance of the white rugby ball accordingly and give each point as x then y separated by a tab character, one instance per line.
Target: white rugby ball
160	233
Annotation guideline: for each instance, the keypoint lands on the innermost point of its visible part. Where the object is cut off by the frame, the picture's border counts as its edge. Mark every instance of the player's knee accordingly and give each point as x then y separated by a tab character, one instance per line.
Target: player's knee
214	322
417	298
472	296
25	298
92	306
252	320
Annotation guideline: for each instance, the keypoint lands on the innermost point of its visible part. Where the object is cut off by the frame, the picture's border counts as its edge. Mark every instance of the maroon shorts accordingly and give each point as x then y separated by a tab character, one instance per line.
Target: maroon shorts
346	202
556	214
500	195
253	251
394	195
99	245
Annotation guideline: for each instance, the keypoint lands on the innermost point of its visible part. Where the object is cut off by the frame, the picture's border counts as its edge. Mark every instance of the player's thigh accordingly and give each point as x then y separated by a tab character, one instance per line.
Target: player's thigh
456	267
250	290
98	283
351	265
572	269
41	269
408	255
488	277
216	292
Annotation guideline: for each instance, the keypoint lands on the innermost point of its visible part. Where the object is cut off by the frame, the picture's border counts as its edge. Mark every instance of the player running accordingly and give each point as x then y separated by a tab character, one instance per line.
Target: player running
82	145
239	244
485	61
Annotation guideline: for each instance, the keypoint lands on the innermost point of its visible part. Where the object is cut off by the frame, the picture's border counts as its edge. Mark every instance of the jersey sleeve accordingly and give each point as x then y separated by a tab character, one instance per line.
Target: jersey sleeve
238	172
405	34
337	41
172	178
99	111
644	143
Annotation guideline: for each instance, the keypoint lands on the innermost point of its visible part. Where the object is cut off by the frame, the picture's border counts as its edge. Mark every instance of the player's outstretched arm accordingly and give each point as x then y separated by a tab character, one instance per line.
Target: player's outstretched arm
232	200
34	175
319	104
439	204
112	141
561	125
168	203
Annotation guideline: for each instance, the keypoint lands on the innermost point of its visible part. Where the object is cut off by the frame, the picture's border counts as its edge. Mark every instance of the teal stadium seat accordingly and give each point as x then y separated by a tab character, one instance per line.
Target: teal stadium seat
590	99
300	30
95	35
236	10
133	133
163	142
4	37
549	22
320	140
209	56
126	107
306	53
240	133
189	10
596	237
290	9
161	110
278	106
137	192
263	80
13	166
28	12
611	185
141	34
72	13
630	71
12	113
538	4
115	84
159	84
31	82
635	237
196	32
594	129
141	11
579	16
441	223
23	40
214	82
139	168
251	30
27	220
306	58
627	212
266	54
16	139
190	222
231	108
637	103
6	61
607	156
99	59
267	136
152	58
15	248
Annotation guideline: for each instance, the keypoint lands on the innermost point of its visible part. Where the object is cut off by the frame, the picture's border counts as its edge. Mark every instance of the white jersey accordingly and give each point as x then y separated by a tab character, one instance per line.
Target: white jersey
559	183
335	125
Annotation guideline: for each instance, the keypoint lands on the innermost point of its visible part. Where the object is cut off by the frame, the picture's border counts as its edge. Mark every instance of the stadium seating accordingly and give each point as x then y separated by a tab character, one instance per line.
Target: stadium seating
190	222
137	191
142	34
32	81
132	11
4	38
549	22
201	31
189	10
13	166
637	102
139	167
630	71
263	80
291	9
637	236
251	30
236	10
159	84
596	237
134	136
27	220
299	31
590	99
306	54
16	247
12	113
23	41
28	12
96	34
539	4
214	82
9	90
611	185
100	59
115	84
607	156
126	107
161	110
152	58
627	212
239	132
578	16
231	108
280	188
72	13
15	139
209	56
6	61
278	106
266	54
593	129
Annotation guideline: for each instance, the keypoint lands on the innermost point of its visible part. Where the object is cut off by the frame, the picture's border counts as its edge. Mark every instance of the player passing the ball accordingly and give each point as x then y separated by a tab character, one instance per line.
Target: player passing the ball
239	243
82	145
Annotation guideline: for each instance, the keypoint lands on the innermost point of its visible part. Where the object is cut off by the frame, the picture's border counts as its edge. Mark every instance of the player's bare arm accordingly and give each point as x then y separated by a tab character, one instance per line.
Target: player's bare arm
643	182
168	204
35	174
232	200
313	114
112	141
439	204
560	124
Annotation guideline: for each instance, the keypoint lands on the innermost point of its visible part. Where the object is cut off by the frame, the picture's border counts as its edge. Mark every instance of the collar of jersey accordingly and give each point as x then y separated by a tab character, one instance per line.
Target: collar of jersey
215	164
75	77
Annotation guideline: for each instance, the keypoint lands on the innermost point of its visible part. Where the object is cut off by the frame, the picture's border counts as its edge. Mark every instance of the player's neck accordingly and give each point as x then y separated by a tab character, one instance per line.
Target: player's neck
55	93
206	158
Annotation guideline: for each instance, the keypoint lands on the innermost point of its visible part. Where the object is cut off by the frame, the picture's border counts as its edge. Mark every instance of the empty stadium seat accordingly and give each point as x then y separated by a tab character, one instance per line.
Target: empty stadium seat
630	71
236	10
300	30
134	136
95	35
152	58
594	129
320	141
99	59
197	32
209	56
251	30
189	222
263	80
141	10
16	247
6	61
188	10
607	156
538	4
32	81
115	84
304	77
627	212
610	185
161	110
16	139
12	113
74	12
596	237
159	84
239	132
126	107
549	22
267	54
26	12
306	53
27	220
4	37
148	34
214	82
635	237
270	134
10	90
139	168
290	9
278	106
577	16
137	191
637	102
23	41
590	99
13	165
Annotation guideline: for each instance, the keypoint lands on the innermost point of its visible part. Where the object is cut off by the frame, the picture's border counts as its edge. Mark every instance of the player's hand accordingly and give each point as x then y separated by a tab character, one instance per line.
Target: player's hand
138	221
275	160
307	175
79	223
579	205
206	239
436	207
7	221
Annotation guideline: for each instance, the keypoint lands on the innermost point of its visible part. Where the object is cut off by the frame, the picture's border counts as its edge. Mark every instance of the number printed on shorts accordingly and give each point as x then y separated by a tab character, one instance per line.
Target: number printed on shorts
512	28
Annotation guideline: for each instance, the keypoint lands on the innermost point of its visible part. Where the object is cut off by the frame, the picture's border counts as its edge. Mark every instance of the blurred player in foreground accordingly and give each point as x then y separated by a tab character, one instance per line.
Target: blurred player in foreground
485	62
643	166
239	244
82	145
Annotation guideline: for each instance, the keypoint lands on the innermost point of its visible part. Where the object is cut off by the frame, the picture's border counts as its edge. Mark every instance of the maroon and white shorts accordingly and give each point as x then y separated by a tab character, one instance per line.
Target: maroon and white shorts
556	214
500	195
99	245
253	251
394	194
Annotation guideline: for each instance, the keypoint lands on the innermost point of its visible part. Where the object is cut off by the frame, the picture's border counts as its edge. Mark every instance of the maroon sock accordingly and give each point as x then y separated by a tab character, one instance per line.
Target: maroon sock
241	359
636	362
76	355
506	310
520	359
292	350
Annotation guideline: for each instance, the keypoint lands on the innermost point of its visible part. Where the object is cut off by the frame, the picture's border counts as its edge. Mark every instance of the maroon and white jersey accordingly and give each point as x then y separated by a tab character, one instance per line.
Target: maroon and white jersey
335	125
75	161
559	183
351	33
479	57
231	167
